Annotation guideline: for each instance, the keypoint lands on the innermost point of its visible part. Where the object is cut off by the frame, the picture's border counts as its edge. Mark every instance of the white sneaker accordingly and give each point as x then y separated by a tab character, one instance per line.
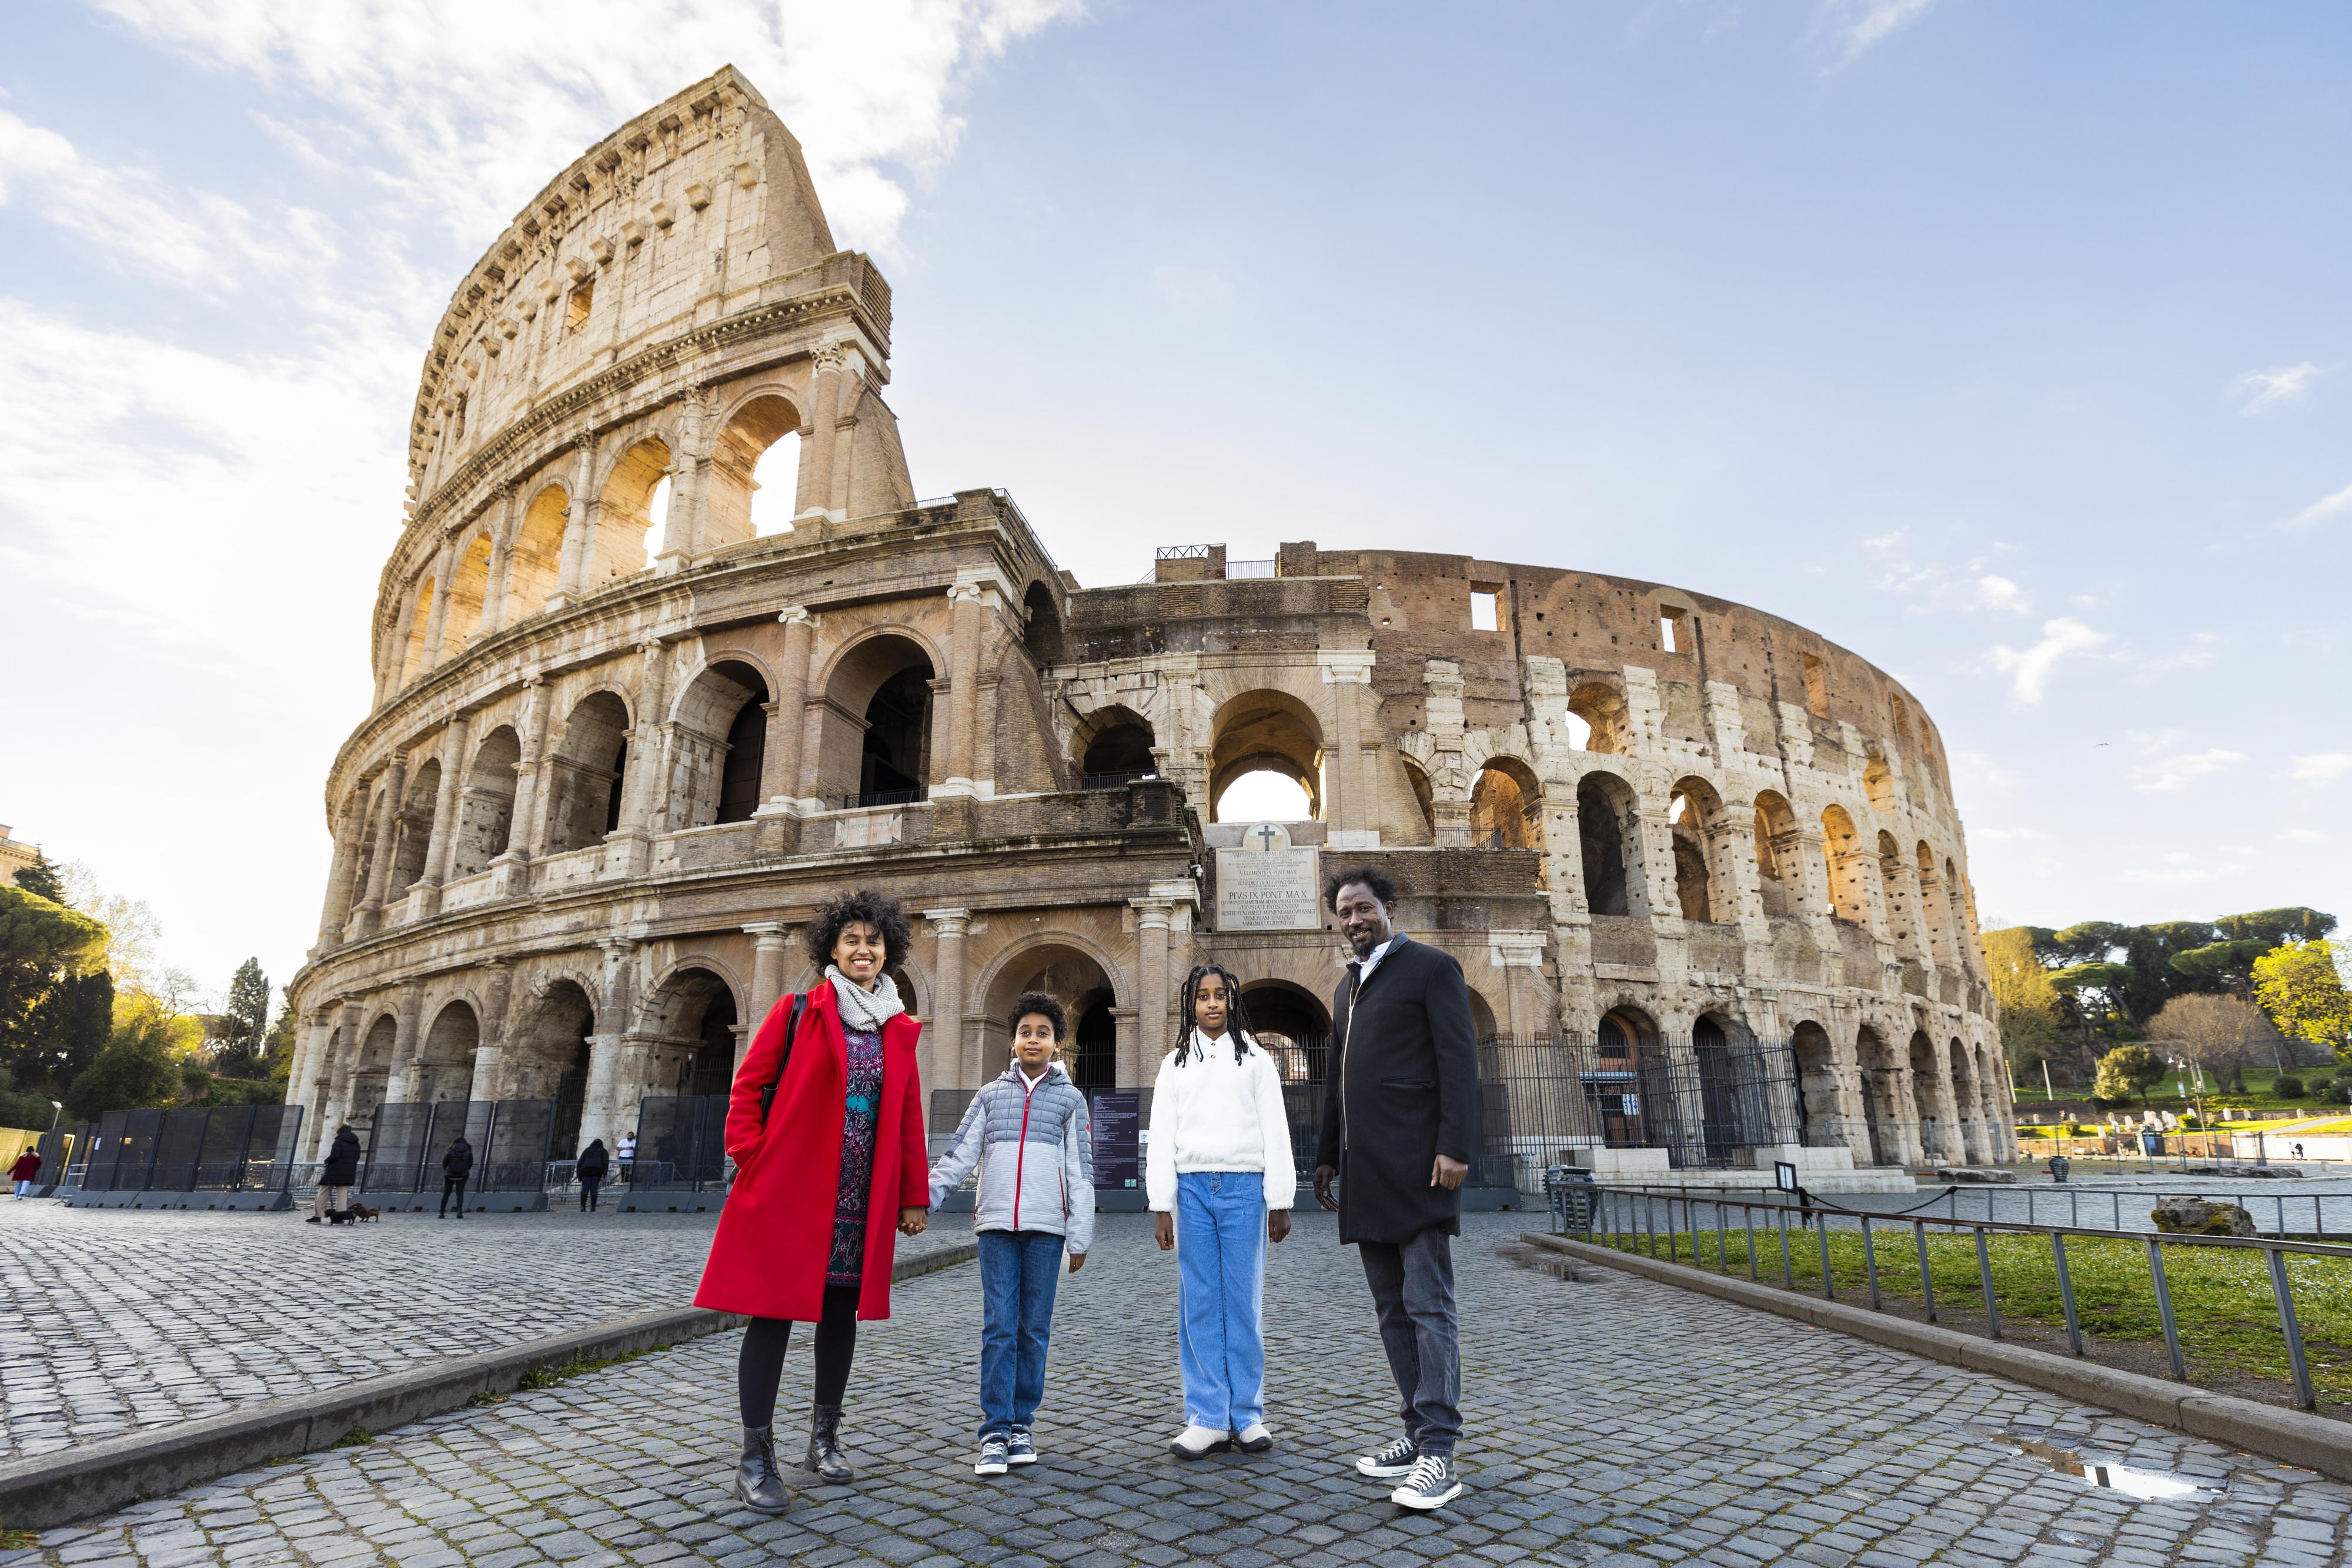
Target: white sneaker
1433	1483
1392	1463
1253	1438
1197	1442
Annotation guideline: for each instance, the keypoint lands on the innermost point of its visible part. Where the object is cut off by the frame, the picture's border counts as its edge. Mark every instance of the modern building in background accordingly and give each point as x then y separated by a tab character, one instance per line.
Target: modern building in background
634	721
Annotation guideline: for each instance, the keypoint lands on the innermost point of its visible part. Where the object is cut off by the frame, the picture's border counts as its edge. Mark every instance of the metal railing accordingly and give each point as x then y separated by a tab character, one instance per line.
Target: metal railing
1639	1218
189	1148
1114	780
865	799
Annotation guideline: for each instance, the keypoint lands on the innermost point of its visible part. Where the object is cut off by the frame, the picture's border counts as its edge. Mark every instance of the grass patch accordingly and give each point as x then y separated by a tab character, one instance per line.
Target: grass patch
2221	1299
578	1366
17	1540
487	1397
357	1437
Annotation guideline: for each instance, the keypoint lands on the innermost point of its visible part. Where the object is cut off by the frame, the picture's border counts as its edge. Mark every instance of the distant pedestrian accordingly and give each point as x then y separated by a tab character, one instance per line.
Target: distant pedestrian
2298	1151
456	1166
628	1153
593	1162
1028	1135
825	1128
338	1175
24	1173
1400	1115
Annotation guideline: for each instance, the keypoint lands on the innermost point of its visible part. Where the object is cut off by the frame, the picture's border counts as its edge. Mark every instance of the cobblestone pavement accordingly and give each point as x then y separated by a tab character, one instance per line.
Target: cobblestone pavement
1611	1420
121	1320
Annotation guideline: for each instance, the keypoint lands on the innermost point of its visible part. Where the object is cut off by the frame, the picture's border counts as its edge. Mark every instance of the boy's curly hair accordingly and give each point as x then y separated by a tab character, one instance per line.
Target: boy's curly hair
1044	1006
878	910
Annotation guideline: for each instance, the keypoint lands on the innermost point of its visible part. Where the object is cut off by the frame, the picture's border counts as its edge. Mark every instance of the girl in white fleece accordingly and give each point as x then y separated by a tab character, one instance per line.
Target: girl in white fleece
1218	1173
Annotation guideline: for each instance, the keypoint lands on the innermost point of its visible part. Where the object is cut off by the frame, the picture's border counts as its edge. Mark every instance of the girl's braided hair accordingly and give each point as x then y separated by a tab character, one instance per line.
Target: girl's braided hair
1237	1020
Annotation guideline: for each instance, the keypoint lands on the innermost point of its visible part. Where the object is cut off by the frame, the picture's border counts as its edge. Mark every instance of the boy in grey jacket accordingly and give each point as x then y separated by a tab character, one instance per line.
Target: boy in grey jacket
1032	1140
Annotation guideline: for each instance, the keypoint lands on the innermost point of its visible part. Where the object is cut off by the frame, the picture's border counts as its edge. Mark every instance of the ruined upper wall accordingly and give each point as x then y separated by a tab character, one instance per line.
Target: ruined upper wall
667	222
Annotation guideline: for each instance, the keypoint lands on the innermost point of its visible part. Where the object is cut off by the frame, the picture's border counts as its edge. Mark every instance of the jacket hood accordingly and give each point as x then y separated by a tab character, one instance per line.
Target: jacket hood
1013	1074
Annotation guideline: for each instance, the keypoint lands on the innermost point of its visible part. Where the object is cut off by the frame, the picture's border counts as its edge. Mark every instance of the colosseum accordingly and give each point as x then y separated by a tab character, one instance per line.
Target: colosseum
634	718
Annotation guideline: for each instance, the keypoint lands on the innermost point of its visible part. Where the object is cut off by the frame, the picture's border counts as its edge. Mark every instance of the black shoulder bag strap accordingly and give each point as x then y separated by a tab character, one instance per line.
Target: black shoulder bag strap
792	1031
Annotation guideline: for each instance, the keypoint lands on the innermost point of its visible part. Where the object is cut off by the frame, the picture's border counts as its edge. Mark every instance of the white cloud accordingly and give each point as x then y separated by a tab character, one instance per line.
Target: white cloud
2176	772
2303	836
2326	768
2001	593
475	107
2319	511
2278	385
1851	28
2032	667
2006	835
1974	768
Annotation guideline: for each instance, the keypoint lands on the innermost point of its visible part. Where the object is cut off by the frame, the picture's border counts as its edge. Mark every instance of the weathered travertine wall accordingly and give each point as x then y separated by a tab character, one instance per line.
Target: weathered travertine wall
611	769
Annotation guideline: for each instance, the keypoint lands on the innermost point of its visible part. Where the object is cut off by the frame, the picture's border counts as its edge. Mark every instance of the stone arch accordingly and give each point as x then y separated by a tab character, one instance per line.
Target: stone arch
1600	707
1819	1109
420	620
548	1057
1506	805
1266	731
486	804
1934	1134
1849	877
1895	888
1878	783
355	826
719	740
535	560
1041	631
1967	1097
1779	876
1937	937
1114	745
414	838
877	741
470	587
1065	966
625	514
1424	799
1882	1096
445	1063
688	1028
760	432
585	772
1608	825
1704	887
371	1069
1293	1025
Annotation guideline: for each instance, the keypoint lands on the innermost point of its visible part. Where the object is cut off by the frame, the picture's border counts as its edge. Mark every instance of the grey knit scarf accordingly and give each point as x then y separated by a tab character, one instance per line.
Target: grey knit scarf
861	1010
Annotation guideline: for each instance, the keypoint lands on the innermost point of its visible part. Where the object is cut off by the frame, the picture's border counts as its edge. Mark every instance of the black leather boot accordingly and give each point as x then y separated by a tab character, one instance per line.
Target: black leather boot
825	1456
759	1484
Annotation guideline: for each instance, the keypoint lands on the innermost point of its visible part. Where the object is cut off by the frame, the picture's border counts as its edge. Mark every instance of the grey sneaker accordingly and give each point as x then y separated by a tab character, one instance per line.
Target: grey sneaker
1433	1483
1020	1448
995	1456
1392	1463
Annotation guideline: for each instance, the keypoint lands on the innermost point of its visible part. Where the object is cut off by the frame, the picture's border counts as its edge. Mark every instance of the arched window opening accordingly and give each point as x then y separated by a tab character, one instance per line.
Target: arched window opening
414	835
1071	976
1042	632
1600	711
1777	870
1881	1082
1692	813
656	518
754	474
1965	1098
1613	1087
548	1060
535	563
877	744
1817	1093
1095	1062
1933	1133
1842	853
372	1077
1295	1030
486	804
1956	910
467	585
587	769
1894	886
412	658
1901	715
1936	933
1608	840
1117	750
447	1068
1506	804
625	517
1878	783
689	1022
1422	799
720	745
1265	732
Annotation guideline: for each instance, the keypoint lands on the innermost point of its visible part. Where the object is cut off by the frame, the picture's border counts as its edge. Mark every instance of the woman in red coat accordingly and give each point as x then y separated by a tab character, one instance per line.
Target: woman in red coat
822	1175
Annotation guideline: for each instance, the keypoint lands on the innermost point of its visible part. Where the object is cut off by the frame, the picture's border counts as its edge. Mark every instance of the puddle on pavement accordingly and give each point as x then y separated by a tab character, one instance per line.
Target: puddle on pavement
2151	1486
1545	1261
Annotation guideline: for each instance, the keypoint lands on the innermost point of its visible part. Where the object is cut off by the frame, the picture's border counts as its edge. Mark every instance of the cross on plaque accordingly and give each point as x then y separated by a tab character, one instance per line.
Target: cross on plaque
1266	837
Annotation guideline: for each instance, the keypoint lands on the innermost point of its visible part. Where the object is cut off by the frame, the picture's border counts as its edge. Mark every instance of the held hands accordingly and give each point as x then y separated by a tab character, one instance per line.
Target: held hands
1448	1172
914	1221
1323	1175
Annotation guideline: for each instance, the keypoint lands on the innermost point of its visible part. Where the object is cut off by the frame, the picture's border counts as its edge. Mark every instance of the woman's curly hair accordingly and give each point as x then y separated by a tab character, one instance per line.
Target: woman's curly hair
878	910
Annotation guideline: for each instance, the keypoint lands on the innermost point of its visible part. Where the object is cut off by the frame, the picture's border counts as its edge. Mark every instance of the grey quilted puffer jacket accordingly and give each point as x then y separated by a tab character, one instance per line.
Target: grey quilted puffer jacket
1035	1150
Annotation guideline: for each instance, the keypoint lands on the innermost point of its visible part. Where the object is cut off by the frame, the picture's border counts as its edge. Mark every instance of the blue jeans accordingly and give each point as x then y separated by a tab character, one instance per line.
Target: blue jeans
1018	1271
1221	1268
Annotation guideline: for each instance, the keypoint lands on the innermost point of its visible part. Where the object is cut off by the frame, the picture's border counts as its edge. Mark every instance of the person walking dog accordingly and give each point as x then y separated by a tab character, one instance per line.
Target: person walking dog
825	1127
337	1175
1399	1120
456	1166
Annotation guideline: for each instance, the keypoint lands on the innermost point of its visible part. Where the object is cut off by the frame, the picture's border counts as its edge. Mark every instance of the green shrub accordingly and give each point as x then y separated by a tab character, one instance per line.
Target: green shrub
2288	1086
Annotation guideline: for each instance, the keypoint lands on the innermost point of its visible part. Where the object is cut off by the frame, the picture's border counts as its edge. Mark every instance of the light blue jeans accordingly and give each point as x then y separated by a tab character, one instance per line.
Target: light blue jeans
1220	1267
1018	1273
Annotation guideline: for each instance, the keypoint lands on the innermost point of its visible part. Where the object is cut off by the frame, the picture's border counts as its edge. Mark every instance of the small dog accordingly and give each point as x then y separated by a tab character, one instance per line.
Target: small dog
351	1216
362	1215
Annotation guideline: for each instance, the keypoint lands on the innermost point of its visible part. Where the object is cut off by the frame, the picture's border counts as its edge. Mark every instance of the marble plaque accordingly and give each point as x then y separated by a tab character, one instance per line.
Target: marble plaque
1267	884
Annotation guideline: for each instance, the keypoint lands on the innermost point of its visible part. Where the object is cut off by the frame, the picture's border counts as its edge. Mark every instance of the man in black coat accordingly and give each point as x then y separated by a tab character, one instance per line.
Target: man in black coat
337	1173
456	1166
1400	1121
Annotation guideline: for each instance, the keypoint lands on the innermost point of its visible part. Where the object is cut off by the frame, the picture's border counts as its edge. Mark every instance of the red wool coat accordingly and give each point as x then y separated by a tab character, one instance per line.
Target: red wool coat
775	1232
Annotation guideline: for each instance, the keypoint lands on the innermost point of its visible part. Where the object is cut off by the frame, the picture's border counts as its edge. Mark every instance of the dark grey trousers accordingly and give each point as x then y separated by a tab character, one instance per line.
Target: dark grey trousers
1412	1291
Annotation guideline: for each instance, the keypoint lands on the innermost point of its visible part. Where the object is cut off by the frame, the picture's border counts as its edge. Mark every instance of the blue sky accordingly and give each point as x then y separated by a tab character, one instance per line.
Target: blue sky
2005	344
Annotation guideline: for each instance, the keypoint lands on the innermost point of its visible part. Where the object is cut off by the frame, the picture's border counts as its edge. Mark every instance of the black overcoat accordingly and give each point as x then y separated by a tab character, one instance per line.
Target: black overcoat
1402	1088
342	1163
459	1160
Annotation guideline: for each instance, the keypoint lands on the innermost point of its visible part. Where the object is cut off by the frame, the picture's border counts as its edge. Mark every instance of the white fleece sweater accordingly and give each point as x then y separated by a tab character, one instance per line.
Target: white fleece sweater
1214	1113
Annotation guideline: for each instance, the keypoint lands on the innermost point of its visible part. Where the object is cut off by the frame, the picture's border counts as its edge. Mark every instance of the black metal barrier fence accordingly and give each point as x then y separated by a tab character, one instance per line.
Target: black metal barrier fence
1644	1220
681	1144
193	1148
509	1137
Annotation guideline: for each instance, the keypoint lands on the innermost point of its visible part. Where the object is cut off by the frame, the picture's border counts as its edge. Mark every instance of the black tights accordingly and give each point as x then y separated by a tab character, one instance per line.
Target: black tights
761	1364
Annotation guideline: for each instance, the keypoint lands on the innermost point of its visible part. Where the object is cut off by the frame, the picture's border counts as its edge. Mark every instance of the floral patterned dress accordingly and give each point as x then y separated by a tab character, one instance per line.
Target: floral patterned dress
862	1102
